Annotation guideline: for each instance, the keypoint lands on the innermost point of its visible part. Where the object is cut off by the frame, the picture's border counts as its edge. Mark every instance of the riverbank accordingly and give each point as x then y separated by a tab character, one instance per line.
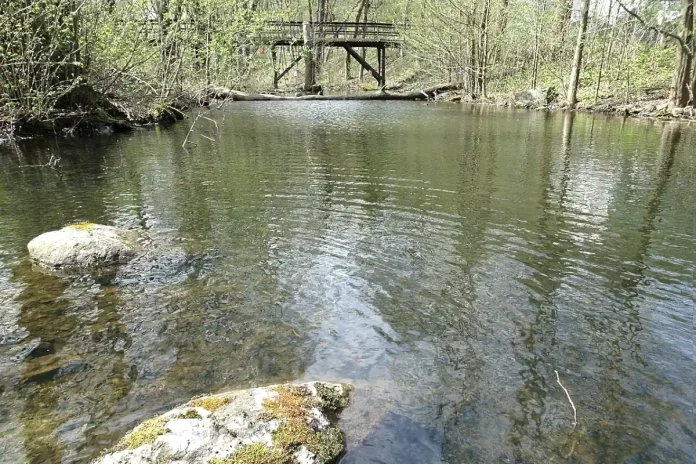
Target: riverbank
649	108
85	111
654	106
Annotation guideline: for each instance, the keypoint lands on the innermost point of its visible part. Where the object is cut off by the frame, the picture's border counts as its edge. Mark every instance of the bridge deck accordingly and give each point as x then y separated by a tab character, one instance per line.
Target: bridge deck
332	34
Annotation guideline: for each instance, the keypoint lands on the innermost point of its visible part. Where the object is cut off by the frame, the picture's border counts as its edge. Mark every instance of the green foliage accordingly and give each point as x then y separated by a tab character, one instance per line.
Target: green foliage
39	57
153	52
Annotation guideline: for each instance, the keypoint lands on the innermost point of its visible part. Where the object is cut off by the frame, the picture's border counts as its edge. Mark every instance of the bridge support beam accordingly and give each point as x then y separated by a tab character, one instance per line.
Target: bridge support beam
274	59
278	76
382	65
380	58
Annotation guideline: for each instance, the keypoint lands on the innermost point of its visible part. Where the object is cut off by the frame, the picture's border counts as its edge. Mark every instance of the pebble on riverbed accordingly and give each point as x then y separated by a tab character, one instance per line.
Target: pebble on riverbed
83	245
280	424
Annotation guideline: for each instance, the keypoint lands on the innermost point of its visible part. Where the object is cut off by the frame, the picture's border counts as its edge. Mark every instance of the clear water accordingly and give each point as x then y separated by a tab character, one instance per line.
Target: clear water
444	259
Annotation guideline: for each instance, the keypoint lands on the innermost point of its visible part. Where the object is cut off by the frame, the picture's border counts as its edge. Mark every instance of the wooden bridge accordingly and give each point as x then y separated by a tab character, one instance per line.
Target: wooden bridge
348	36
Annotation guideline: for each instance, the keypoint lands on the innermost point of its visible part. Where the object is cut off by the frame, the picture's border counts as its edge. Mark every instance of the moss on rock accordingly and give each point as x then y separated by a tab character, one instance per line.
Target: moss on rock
327	444
293	406
282	424
189	414
144	434
333	398
82	225
291	402
256	453
211	403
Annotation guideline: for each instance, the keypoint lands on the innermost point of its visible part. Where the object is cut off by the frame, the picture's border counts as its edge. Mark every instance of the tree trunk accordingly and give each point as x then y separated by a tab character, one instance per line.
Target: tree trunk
357	20
366	10
565	8
604	46
483	50
693	80
679	95
577	58
693	57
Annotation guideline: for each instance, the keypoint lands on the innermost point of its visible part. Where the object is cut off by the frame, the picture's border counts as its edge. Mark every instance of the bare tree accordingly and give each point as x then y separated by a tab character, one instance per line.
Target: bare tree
577	58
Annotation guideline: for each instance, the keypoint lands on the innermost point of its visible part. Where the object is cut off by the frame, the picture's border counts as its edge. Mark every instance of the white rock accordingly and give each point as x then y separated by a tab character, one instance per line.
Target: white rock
84	246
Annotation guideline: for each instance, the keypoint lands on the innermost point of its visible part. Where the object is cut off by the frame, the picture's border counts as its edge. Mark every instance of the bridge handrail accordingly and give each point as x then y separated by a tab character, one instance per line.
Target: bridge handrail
284	30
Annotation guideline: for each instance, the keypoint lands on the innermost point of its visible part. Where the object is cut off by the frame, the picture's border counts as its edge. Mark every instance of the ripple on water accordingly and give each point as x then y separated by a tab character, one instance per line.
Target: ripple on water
445	259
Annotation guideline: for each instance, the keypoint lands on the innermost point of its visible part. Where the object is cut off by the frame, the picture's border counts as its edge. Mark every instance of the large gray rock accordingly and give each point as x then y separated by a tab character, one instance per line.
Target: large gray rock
278	424
535	97
84	245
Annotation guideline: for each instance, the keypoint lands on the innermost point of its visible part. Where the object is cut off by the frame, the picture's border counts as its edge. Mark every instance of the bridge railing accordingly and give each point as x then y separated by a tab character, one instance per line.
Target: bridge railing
289	30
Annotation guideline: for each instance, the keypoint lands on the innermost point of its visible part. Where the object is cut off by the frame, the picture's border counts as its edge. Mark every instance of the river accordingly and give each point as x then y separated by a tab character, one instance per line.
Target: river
448	260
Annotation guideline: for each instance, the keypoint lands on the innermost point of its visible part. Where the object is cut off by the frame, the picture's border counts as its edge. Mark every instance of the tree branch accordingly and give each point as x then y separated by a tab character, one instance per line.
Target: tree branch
679	40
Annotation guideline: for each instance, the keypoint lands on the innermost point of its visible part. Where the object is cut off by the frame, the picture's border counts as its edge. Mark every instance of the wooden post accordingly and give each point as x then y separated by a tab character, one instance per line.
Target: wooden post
275	68
383	66
310	67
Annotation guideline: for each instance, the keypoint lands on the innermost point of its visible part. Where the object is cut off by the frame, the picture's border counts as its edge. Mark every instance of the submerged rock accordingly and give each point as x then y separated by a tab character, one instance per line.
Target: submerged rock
280	424
83	245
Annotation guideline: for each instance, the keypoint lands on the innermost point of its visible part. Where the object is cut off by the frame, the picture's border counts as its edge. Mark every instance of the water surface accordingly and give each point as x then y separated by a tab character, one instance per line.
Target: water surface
447	260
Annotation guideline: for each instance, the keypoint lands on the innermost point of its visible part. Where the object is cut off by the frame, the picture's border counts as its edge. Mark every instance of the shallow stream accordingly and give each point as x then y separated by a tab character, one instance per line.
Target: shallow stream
445	259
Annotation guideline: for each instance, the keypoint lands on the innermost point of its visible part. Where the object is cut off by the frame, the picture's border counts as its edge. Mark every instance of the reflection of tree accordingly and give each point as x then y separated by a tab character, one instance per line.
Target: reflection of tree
46	321
618	328
478	167
549	267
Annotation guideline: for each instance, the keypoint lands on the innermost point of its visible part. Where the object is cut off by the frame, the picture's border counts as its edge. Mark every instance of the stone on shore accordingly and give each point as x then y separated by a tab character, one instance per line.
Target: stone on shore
532	98
83	245
280	424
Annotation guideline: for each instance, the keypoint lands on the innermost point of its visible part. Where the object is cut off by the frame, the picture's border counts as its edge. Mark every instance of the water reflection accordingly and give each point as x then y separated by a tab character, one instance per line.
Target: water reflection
446	261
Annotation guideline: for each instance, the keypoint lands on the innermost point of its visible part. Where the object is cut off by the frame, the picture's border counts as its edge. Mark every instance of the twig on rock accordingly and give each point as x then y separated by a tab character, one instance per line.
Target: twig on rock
575	412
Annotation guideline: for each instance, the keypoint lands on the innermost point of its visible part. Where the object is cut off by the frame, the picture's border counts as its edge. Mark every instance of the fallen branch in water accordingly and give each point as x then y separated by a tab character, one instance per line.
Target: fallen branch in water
424	94
52	163
183	145
201	114
575	412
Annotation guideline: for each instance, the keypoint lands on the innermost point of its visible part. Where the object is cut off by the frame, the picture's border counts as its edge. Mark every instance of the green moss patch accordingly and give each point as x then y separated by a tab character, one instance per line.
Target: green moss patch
293	407
144	434
211	403
256	453
291	402
327	444
84	225
189	414
333	398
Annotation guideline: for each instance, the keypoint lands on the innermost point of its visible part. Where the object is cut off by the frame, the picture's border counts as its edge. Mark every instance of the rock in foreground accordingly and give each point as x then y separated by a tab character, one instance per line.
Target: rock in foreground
281	424
84	245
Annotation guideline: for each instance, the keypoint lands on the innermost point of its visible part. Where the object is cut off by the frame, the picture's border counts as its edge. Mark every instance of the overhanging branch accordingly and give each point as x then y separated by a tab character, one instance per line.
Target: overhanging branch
672	36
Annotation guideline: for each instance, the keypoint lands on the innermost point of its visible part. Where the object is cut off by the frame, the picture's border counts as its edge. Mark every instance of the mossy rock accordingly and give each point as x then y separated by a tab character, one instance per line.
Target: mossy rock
84	245
282	424
144	434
